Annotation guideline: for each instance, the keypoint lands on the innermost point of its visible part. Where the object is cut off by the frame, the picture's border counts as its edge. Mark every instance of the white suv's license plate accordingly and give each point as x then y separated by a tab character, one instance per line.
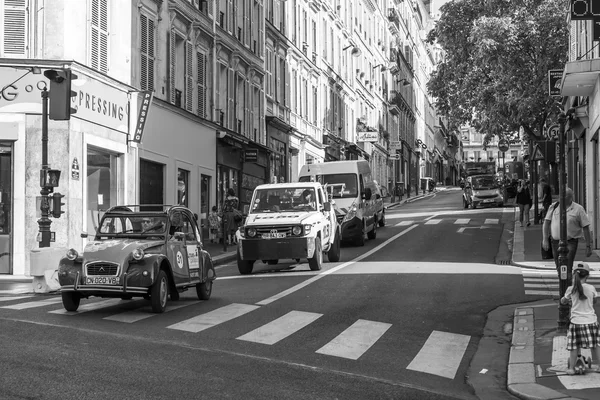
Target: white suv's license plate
269	235
102	280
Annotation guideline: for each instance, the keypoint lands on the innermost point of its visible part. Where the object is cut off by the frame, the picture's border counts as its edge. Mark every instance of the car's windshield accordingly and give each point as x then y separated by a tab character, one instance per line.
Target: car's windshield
485	182
338	185
284	199
136	224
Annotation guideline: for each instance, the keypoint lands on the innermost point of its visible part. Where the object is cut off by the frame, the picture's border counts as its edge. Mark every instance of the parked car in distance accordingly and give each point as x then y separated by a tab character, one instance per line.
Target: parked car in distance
380	195
288	221
482	190
150	254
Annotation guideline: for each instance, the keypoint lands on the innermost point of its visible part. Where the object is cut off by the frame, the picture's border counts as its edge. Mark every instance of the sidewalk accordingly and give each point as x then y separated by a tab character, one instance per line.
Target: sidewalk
538	356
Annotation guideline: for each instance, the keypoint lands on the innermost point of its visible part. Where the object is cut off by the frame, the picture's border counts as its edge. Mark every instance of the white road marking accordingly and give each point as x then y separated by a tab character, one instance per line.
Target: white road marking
433	222
560	355
332	270
280	328
440	213
462	221
441	354
411	267
430	217
33	304
356	340
213	318
491	221
10	298
542	292
132	316
88	307
404	223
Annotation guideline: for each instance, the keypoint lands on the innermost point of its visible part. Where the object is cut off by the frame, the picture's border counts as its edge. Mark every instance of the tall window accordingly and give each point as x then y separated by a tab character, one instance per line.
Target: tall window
6	197
147	53
201	83
102	184
99	35
183	179
14	28
152	184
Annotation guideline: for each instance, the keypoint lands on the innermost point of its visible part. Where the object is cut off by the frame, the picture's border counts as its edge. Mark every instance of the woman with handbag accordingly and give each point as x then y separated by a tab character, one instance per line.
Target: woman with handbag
231	215
524	201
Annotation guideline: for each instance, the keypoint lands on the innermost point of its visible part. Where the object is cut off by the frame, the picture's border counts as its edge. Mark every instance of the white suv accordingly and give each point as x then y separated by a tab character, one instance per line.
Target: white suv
288	221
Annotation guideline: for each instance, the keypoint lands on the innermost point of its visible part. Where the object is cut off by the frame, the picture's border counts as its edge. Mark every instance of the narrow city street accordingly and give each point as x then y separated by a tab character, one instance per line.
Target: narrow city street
399	318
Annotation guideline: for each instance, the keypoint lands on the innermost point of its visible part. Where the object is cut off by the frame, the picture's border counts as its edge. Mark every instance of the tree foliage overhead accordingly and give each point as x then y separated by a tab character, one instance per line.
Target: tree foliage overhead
497	53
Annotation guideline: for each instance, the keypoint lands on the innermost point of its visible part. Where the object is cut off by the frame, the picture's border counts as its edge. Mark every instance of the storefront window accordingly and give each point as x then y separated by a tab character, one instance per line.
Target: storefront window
152	184
101	184
183	178
5	207
278	163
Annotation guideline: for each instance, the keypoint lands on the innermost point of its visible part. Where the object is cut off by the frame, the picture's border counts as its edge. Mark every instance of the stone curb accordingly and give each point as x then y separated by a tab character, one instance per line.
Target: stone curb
521	381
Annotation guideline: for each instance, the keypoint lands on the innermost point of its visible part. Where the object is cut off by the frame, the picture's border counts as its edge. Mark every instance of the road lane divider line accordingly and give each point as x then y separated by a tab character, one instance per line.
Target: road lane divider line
433	222
441	354
281	328
315	278
355	340
491	221
213	318
431	217
462	221
33	304
132	316
88	307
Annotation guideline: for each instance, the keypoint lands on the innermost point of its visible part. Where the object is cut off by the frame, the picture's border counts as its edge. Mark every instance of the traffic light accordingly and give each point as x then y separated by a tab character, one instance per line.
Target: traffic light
60	93
57	205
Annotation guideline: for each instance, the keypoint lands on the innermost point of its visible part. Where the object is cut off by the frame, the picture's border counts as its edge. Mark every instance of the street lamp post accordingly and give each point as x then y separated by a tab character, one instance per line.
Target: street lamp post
565	271
44	222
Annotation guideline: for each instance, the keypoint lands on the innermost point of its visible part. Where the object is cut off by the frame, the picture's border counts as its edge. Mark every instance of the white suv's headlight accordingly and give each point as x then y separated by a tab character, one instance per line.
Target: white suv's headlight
351	213
297	230
72	254
251	232
137	254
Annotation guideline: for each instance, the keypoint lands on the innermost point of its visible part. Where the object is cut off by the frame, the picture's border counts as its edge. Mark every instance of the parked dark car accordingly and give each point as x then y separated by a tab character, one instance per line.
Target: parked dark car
150	254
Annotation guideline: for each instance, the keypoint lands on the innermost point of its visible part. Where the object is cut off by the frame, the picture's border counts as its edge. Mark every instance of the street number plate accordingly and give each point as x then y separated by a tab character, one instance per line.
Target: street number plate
269	235
102	280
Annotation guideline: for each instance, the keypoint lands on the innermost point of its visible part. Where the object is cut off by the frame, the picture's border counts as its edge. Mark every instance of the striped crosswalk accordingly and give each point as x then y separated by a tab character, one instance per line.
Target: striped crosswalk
546	283
440	355
455	221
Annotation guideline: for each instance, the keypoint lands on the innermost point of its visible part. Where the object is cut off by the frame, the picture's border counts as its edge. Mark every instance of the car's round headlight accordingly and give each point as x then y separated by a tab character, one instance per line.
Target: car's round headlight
72	254
251	232
297	230
138	254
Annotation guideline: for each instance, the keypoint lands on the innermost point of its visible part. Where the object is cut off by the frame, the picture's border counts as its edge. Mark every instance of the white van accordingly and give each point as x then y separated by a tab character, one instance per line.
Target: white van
350	185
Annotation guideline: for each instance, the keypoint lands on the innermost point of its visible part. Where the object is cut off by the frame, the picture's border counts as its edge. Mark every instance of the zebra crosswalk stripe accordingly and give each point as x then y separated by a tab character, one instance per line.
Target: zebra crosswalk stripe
441	354
491	221
10	298
88	307
433	222
33	304
213	318
132	316
280	328
405	223
462	221
356	340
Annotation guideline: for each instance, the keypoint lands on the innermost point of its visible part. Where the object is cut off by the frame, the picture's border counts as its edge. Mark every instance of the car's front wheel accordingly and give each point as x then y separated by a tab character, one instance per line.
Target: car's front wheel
204	289
465	203
333	255
382	220
373	233
244	266
159	292
71	300
316	260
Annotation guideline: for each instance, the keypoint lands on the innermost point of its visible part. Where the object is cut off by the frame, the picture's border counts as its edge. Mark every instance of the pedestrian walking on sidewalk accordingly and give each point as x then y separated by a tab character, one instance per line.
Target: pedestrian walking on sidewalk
578	226
524	201
583	332
545	194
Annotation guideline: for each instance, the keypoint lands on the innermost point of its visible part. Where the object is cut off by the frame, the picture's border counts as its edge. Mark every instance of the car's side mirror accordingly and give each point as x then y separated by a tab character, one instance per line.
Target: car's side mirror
195	217
367	194
180	236
327	206
84	235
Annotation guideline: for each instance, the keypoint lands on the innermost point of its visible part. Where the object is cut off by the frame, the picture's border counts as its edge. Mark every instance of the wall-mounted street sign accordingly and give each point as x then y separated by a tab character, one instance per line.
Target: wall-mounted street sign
551	133
147	97
537	154
368	136
395	157
503	145
554	82
251	155
585	9
396	145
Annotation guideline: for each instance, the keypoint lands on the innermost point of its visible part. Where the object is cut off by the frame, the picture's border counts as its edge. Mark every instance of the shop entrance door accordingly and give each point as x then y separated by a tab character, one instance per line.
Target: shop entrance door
6	207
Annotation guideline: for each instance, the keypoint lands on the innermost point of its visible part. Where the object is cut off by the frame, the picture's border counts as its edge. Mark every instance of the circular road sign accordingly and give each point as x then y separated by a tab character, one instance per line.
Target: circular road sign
503	145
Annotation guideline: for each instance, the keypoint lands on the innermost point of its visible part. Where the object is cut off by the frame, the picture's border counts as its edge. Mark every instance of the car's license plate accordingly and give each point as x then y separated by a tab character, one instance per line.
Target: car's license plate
488	201
269	235
102	280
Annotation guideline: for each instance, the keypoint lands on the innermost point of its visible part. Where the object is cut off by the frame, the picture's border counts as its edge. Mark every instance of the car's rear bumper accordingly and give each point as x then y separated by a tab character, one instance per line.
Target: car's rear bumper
494	202
276	249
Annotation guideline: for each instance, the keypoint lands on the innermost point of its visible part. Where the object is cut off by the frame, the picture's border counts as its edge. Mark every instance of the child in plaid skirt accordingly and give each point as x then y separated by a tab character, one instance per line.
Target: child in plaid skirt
583	332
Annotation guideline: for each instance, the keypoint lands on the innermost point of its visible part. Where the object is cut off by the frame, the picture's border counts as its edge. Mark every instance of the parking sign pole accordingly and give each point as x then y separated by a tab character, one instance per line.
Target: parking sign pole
565	272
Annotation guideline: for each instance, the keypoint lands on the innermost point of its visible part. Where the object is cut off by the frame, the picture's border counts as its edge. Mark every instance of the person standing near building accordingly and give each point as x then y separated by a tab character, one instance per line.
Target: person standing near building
230	215
524	201
578	226
545	194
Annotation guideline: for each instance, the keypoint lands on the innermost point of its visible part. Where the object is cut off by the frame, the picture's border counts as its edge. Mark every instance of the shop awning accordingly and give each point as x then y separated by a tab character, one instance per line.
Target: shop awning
579	77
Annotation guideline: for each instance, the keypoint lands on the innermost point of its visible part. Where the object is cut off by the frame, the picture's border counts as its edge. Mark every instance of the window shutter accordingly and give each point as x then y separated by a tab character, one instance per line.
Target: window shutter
189	77
201	82
99	35
147	53
172	66
210	7
14	29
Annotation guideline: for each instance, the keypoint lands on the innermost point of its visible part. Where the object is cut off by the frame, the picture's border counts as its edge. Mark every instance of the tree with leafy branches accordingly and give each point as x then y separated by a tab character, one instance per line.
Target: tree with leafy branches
496	57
